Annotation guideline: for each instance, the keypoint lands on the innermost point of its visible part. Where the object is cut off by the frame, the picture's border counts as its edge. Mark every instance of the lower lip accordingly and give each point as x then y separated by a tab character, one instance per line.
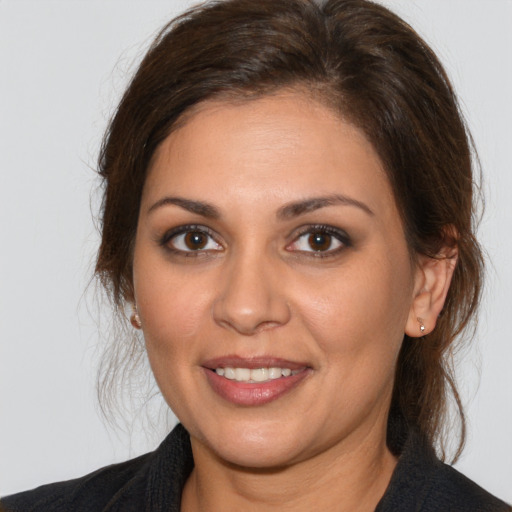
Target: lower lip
253	393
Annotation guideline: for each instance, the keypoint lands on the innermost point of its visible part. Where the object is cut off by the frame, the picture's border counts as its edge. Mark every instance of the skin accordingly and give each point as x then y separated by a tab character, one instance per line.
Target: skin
258	288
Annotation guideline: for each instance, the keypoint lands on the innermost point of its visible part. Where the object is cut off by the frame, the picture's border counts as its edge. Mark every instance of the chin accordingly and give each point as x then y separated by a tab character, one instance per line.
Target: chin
257	455
256	444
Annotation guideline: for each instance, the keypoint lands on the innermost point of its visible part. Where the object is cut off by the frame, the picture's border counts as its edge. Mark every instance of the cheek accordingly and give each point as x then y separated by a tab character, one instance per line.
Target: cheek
359	309
172	313
172	316
356	319
171	306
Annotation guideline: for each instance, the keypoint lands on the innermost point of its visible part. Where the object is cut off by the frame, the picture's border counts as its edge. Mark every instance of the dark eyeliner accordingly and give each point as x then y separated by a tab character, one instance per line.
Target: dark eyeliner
164	240
341	235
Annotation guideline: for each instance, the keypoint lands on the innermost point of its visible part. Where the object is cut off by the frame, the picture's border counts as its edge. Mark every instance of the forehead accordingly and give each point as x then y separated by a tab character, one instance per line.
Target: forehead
285	146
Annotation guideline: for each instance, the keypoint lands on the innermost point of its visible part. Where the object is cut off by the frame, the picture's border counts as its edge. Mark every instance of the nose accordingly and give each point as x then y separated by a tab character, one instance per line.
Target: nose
251	297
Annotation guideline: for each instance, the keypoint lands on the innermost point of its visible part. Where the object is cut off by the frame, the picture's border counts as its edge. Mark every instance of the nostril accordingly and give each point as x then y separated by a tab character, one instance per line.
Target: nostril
250	300
249	325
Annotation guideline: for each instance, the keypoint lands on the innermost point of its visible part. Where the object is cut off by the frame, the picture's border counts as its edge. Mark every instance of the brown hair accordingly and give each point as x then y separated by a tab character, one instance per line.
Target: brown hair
369	65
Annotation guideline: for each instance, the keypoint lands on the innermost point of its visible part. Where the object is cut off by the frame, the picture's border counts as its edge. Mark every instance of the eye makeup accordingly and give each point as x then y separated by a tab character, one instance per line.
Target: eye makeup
190	240
319	241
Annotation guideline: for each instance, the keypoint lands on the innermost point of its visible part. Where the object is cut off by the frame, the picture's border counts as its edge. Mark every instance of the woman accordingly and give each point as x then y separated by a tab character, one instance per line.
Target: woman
288	207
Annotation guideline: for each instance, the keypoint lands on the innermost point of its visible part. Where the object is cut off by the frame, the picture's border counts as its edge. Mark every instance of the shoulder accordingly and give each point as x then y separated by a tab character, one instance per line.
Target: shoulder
451	490
150	482
423	483
439	488
91	492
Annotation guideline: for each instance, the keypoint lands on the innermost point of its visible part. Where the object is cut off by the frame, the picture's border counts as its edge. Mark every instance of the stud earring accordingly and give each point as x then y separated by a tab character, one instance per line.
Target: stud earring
135	318
422	327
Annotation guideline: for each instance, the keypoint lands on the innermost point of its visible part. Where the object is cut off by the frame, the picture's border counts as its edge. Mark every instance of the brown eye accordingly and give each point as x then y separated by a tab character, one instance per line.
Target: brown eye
195	240
320	241
190	240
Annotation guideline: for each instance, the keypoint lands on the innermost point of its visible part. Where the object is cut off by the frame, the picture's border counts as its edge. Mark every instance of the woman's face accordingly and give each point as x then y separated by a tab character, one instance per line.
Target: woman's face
273	280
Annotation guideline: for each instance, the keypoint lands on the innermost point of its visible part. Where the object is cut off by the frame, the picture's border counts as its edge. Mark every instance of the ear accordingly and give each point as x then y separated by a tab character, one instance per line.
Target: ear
432	282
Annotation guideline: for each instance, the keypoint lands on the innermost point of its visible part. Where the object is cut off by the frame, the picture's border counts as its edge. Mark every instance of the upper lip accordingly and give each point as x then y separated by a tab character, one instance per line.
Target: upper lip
234	361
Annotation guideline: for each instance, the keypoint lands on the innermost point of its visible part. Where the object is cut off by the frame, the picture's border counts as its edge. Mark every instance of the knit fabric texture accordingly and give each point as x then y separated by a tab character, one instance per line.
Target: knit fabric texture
154	483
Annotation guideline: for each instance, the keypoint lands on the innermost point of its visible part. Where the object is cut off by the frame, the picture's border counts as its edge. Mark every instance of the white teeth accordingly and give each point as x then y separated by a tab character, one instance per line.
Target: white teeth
259	375
254	375
274	373
229	373
242	374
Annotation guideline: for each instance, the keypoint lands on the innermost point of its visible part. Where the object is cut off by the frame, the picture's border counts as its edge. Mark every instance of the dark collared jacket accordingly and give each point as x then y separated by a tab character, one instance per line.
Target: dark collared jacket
153	483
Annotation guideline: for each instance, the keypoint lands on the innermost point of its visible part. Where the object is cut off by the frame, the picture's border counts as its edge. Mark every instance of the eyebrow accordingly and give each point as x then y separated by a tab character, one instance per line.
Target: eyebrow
288	211
199	207
315	203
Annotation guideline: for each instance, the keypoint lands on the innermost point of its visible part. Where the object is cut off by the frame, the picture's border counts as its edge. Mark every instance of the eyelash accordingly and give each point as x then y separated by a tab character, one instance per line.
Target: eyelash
336	233
165	241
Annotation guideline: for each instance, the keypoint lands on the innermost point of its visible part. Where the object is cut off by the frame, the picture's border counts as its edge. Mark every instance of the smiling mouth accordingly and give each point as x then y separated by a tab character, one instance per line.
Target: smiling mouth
250	382
255	375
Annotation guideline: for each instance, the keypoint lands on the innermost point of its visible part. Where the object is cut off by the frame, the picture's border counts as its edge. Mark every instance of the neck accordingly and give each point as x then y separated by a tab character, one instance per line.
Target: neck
342	478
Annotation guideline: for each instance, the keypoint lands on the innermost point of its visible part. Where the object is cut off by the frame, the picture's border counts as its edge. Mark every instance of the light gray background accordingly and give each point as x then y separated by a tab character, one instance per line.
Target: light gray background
63	66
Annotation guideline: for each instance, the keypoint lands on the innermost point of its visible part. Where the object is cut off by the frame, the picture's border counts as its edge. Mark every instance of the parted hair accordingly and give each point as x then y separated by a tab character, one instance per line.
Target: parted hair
376	72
